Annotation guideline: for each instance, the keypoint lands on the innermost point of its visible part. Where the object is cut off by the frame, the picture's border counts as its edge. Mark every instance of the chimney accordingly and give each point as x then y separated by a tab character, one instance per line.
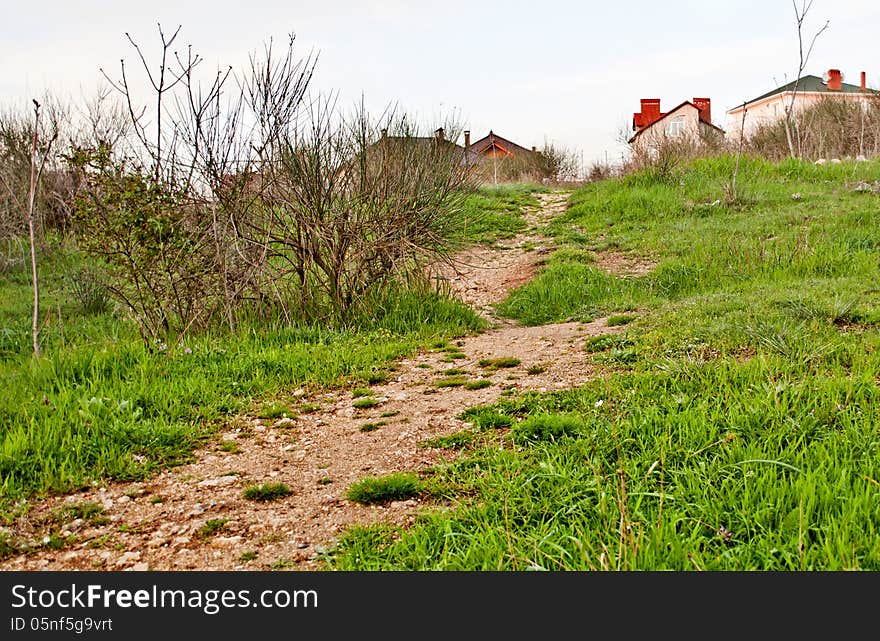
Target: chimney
534	149
467	139
384	133
649	114
440	134
834	80
705	107
864	83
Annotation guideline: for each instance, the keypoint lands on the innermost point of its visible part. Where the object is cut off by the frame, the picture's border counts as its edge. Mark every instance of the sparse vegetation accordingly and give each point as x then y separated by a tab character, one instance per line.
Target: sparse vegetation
534	370
487	418
393	487
451	381
543	427
267	492
230	447
451	442
212	527
499	363
277	410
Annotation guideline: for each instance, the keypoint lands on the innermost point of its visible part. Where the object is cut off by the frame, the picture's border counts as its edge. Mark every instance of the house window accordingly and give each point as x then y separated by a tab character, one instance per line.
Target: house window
675	127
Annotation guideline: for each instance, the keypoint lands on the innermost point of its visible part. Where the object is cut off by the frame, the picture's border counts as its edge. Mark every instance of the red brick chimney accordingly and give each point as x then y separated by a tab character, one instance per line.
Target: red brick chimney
835	82
649	114
705	107
467	139
864	83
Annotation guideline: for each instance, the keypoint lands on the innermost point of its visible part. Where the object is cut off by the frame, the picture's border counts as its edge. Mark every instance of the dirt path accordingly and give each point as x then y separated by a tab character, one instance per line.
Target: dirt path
156	524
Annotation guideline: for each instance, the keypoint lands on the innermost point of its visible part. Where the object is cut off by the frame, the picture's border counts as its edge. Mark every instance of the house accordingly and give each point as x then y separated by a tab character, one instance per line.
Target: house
691	120
493	156
437	141
806	92
495	146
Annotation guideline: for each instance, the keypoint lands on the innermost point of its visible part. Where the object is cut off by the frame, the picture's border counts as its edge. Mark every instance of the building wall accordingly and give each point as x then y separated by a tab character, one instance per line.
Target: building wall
772	109
683	122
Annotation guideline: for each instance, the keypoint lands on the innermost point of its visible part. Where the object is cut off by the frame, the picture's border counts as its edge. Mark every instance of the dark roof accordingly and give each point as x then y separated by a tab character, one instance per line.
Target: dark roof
669	113
813	84
494	140
429	142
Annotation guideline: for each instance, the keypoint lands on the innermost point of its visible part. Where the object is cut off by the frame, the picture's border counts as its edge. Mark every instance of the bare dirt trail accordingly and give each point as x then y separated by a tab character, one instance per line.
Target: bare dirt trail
160	524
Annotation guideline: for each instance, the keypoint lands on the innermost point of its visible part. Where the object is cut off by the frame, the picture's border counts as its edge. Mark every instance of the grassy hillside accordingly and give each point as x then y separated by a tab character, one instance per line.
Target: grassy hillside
101	405
735	423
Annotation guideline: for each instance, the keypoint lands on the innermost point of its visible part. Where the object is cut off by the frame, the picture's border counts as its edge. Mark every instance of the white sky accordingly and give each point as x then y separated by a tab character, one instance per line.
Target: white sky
565	71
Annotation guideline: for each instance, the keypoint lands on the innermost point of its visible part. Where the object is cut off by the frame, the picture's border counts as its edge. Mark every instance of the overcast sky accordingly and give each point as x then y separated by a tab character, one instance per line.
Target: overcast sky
570	72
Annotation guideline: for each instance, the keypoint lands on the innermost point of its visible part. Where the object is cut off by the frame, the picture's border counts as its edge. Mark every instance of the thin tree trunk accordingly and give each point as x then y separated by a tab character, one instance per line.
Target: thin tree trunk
30	218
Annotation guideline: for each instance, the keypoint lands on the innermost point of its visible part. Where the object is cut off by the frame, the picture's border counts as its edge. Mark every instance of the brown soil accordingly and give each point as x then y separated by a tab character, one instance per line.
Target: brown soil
159	524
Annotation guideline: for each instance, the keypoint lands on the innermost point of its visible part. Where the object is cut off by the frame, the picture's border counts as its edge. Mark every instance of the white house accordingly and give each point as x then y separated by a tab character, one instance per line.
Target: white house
770	107
690	120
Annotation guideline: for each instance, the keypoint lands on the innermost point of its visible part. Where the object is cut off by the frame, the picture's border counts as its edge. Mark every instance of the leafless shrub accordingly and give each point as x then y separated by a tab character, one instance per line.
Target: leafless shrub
231	198
557	163
354	206
163	200
54	192
834	127
666	155
599	171
790	122
552	163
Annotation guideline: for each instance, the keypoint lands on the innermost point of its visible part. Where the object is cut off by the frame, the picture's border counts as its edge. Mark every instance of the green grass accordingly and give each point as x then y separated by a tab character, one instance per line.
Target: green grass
534	370
365	402
267	492
499	363
487	418
372	426
478	384
451	442
361	391
495	213
276	410
547	427
733	428
87	510
212	527
393	487
100	406
451	381
454	372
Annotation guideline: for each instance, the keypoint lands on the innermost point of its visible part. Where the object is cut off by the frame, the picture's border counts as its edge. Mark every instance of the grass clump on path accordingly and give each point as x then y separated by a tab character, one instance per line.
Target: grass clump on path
264	492
393	487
